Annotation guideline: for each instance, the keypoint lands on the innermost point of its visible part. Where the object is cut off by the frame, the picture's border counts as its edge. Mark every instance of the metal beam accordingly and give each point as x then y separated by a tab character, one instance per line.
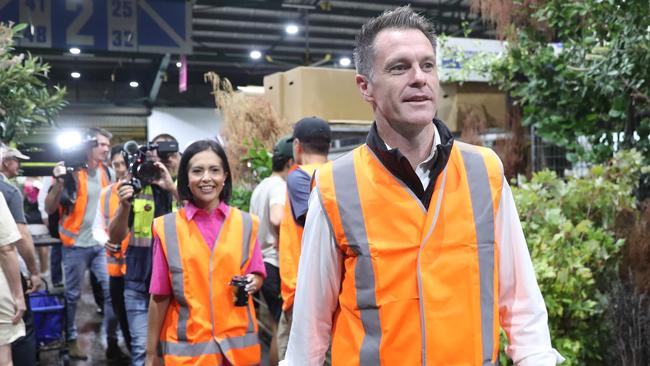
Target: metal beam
155	86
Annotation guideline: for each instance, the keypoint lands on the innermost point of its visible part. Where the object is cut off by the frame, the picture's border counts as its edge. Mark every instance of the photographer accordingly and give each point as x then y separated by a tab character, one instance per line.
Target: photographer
135	214
75	194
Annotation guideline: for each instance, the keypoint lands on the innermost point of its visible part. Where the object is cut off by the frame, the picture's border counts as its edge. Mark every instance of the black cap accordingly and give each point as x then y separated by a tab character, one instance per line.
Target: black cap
284	148
311	129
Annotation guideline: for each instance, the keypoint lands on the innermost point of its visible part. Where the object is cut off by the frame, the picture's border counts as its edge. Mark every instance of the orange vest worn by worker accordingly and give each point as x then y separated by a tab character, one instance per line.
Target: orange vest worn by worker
70	223
289	247
109	201
419	287
202	324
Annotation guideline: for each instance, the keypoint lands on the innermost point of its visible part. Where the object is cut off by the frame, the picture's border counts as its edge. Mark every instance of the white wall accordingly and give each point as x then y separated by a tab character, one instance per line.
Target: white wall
186	124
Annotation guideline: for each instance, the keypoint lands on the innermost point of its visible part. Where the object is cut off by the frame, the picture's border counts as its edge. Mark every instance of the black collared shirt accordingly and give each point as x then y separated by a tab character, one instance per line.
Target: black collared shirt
399	166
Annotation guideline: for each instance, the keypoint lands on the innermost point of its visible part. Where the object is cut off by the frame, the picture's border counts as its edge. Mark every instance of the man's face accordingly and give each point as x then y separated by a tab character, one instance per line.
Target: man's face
171	162
100	153
119	165
10	166
403	86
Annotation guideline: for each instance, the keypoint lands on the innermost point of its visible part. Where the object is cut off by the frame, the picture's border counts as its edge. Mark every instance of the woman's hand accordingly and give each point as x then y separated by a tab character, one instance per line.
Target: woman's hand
254	283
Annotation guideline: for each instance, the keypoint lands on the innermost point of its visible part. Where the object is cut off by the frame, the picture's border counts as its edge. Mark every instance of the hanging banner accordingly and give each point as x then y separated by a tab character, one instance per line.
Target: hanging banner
182	75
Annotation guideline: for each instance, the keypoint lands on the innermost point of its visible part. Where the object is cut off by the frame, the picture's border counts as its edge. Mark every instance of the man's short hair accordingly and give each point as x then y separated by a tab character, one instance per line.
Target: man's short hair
116	150
399	18
94	131
164	137
318	147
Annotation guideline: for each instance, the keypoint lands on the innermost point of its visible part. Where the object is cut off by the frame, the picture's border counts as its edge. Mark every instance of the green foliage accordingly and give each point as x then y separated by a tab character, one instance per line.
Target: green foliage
258	160
569	229
241	197
25	100
259	163
597	86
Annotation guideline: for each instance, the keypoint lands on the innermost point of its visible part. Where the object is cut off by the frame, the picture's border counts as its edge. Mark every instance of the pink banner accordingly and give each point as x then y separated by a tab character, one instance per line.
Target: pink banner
182	75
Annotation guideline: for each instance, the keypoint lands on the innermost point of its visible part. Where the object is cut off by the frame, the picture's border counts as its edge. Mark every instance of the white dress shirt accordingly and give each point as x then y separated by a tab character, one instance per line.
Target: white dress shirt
521	305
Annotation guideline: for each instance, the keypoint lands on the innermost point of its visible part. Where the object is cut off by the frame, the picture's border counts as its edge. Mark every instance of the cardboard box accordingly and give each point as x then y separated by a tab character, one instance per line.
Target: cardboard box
478	101
273	91
328	93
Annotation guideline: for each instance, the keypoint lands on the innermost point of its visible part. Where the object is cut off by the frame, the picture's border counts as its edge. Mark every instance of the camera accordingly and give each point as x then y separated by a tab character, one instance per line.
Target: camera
239	290
74	150
141	165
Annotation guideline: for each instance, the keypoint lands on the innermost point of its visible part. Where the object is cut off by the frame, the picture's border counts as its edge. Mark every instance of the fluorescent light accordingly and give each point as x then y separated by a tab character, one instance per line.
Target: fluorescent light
255	54
345	61
134	84
75	51
75	75
291	29
178	64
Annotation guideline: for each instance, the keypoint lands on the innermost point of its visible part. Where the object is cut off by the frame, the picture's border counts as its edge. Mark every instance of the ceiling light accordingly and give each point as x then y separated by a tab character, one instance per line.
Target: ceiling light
255	54
75	51
291	29
345	61
75	75
134	84
178	64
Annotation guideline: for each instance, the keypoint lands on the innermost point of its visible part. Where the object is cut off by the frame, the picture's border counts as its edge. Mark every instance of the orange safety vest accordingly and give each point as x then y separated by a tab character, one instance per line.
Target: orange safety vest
70	224
289	246
202	325
109	201
419	286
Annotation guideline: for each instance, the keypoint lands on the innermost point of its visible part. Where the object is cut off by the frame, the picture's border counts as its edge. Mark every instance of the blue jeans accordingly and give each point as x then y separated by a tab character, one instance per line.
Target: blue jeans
137	307
55	264
75	262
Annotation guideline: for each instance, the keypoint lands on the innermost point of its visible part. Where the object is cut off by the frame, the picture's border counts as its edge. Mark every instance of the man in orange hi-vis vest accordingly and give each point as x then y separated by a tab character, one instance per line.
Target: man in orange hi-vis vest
115	253
311	143
413	252
75	195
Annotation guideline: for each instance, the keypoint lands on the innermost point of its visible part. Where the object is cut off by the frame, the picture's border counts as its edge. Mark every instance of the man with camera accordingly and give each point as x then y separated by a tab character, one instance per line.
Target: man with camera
149	192
75	194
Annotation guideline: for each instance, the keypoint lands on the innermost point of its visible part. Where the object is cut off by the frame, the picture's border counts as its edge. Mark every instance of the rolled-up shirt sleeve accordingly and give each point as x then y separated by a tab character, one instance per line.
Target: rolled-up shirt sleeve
521	305
319	282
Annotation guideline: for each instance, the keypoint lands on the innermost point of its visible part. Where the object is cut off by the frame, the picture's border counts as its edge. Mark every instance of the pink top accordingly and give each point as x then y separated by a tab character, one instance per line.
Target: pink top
209	225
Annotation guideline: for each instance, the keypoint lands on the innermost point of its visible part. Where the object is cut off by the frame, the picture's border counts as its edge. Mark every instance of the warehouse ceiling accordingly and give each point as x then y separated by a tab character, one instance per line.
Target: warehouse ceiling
224	33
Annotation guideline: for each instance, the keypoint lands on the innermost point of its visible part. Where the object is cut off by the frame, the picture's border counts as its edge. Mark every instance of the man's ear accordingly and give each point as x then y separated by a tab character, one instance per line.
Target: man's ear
364	87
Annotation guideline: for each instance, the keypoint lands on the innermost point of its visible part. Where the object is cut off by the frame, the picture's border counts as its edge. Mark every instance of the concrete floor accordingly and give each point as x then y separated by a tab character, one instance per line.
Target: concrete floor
92	337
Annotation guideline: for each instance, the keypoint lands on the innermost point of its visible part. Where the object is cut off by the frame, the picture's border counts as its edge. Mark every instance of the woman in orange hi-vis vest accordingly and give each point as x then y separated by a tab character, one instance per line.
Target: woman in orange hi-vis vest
206	261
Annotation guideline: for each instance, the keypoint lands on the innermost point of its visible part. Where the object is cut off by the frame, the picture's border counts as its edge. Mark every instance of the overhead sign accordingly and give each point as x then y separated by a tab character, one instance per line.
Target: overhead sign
156	26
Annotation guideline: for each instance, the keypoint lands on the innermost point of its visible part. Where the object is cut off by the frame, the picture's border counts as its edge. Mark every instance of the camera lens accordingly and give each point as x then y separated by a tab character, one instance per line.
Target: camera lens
148	172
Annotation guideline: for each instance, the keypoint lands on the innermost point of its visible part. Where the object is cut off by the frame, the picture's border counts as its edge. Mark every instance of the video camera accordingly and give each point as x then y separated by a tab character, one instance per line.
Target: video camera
74	149
141	165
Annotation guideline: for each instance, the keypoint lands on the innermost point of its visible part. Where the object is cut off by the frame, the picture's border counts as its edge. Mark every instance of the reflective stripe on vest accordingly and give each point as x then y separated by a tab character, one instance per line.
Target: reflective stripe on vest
479	188
185	349
219	343
364	275
344	180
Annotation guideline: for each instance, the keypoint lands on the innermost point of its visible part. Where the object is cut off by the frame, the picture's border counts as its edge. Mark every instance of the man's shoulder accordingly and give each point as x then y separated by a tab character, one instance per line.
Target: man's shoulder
8	188
297	179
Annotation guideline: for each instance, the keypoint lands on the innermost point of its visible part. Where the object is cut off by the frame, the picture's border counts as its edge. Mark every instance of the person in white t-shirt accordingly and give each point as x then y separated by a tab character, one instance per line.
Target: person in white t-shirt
12	301
267	202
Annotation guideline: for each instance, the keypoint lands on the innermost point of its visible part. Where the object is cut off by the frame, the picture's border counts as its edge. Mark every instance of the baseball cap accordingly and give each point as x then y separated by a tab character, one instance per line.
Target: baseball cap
312	129
10	152
284	147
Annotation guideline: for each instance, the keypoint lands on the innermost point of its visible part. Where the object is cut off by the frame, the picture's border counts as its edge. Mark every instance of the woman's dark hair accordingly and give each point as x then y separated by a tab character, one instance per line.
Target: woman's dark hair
183	181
